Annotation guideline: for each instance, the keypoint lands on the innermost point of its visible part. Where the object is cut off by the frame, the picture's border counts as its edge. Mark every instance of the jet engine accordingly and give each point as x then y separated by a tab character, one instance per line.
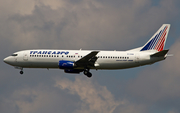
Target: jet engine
64	64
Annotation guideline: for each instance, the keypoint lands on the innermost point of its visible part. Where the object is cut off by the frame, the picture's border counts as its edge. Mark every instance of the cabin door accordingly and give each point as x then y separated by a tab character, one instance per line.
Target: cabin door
137	58
25	56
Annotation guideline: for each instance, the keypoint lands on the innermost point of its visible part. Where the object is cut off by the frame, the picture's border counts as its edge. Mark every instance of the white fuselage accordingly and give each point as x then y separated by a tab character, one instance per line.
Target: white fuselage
76	61
106	59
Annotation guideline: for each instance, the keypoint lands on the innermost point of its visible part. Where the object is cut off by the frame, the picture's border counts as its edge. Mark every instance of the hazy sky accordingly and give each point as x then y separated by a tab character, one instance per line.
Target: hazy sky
89	24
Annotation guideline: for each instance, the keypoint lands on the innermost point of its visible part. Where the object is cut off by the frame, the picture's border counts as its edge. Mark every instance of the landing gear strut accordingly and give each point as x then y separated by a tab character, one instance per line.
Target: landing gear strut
21	72
87	73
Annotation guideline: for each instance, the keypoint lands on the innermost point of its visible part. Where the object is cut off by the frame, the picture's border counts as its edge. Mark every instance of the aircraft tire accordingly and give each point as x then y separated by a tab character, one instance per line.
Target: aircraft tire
89	75
86	72
21	72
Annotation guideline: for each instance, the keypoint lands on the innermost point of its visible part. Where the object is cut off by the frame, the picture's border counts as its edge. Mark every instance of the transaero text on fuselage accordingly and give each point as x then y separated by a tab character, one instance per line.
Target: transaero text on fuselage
49	52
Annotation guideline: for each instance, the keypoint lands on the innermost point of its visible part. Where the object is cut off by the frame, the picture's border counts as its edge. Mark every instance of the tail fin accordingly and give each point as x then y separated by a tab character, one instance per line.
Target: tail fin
158	40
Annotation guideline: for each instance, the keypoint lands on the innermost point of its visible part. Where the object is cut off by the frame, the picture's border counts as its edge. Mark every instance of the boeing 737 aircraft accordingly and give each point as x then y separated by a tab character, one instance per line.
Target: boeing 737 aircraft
76	61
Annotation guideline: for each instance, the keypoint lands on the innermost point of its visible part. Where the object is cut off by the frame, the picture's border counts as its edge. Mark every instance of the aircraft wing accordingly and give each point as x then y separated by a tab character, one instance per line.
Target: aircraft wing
88	60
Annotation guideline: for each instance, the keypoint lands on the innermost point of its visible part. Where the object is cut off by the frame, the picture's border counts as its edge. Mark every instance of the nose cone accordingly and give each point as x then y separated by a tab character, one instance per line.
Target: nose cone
8	60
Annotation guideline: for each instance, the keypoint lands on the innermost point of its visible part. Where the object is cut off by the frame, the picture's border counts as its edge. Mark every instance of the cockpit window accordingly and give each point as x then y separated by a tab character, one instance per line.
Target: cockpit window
14	54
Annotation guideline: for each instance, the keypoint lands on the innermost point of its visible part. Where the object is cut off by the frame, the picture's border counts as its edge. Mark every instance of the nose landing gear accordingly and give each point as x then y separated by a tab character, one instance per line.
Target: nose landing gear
21	72
21	68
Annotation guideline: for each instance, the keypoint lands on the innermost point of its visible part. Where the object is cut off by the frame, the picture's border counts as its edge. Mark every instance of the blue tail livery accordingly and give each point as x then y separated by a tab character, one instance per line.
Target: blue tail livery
158	40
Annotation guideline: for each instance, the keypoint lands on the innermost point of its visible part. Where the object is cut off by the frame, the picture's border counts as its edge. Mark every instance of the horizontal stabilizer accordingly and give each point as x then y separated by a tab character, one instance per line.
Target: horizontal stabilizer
169	55
160	54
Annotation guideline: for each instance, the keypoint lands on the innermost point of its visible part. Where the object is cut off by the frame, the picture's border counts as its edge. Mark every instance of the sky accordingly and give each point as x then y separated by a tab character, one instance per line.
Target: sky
90	25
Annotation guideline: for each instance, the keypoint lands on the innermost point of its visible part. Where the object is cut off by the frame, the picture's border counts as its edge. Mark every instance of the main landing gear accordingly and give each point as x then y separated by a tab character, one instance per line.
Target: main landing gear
87	73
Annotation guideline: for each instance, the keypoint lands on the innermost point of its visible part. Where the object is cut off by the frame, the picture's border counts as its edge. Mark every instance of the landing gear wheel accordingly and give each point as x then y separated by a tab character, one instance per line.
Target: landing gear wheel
87	73
21	72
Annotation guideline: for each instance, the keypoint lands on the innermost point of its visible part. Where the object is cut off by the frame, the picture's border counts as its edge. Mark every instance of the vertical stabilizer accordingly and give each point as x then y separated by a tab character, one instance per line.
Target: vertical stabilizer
158	40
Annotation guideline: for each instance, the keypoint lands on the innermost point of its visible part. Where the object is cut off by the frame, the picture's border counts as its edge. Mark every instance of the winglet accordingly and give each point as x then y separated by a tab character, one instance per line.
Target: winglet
158	40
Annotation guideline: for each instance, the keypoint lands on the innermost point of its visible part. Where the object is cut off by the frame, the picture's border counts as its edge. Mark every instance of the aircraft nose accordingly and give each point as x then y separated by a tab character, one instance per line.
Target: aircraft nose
8	60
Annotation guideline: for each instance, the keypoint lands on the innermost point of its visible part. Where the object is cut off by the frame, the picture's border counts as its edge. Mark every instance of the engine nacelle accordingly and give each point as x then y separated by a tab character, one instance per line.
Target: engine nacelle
64	64
73	71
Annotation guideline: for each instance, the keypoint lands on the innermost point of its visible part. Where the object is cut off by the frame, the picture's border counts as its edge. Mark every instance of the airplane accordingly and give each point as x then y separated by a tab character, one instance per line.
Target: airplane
76	61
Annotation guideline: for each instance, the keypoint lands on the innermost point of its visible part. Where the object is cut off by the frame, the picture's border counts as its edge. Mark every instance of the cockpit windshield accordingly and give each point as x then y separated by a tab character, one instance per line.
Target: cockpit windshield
14	54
